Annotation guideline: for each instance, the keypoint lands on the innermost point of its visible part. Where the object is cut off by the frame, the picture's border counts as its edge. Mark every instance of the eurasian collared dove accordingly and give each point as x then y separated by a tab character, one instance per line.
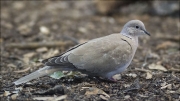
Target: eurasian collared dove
104	57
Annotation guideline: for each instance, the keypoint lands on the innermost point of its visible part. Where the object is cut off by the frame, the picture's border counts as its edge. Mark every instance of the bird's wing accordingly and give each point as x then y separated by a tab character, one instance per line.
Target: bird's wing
102	54
60	59
98	55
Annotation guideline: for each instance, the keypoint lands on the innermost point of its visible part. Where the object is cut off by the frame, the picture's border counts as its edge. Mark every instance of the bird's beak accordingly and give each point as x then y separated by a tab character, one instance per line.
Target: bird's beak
146	32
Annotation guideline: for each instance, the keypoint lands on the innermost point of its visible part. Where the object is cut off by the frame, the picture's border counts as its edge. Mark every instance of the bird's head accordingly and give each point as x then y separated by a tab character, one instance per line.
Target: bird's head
134	28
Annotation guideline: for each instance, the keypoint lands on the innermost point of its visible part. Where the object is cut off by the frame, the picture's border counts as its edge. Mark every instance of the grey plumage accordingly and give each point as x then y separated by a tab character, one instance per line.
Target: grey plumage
105	56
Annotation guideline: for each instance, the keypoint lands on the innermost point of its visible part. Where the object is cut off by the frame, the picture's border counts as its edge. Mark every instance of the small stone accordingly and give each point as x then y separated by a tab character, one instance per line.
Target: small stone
44	30
132	75
82	29
127	97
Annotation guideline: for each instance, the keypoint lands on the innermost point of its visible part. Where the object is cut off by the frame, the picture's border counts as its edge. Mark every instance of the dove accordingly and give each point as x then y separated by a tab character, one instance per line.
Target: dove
101	57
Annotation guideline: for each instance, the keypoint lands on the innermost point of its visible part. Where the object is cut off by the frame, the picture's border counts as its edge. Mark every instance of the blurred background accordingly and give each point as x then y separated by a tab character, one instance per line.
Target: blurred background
36	30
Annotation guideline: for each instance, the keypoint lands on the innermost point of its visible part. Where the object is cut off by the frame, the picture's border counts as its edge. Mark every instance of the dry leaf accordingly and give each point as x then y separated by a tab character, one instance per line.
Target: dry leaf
11	65
83	40
1	95
24	29
163	84
29	55
169	86
170	91
19	88
117	77
50	53
157	67
95	91
1	40
148	75
82	29
14	96
6	93
126	85
54	98
103	97
153	55
44	98
60	98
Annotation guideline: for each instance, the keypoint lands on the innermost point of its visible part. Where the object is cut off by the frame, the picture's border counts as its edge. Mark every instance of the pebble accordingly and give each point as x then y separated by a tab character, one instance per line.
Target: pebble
44	30
127	97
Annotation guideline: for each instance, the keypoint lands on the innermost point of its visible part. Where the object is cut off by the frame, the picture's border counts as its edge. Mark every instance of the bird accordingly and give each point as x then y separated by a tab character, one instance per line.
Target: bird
102	57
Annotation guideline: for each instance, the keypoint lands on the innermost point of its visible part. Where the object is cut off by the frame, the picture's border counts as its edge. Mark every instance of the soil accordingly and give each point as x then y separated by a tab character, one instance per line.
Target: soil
24	22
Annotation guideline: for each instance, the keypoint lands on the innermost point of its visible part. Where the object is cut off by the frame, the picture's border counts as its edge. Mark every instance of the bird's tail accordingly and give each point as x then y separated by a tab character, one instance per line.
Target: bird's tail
39	73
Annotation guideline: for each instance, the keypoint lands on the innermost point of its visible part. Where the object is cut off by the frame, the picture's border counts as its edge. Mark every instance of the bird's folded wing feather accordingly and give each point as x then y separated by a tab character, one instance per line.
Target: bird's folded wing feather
53	61
102	54
106	52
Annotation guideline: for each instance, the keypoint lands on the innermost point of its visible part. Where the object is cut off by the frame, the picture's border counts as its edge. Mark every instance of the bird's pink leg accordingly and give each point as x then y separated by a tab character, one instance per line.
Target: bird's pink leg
112	79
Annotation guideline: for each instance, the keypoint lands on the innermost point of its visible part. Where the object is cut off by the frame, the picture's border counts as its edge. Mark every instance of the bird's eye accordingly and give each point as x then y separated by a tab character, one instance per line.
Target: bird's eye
137	27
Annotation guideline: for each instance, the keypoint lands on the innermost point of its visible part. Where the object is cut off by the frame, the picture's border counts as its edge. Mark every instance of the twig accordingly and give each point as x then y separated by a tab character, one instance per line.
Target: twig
31	45
142	70
173	70
24	70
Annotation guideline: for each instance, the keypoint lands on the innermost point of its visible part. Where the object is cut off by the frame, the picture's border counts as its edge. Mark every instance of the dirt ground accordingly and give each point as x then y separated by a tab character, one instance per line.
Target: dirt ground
28	27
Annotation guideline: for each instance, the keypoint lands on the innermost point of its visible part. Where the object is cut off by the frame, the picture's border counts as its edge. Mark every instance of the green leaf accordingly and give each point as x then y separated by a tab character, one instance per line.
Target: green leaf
57	75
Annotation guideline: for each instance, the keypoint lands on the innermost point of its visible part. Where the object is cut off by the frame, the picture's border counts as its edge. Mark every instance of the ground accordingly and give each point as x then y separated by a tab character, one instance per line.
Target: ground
154	73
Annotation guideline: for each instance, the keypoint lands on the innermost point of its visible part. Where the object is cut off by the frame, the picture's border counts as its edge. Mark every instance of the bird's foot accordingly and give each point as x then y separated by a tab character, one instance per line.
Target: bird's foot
112	79
108	79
